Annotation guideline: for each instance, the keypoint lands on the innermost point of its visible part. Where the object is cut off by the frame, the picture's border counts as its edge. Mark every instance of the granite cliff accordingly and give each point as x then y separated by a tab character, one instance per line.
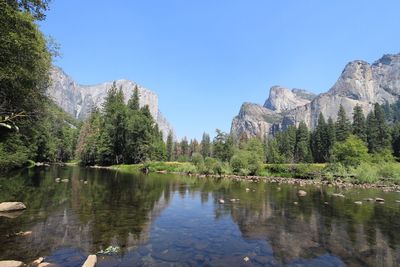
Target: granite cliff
78	100
360	83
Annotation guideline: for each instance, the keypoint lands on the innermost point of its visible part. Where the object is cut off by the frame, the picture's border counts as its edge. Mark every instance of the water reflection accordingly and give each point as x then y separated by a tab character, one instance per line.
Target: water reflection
160	219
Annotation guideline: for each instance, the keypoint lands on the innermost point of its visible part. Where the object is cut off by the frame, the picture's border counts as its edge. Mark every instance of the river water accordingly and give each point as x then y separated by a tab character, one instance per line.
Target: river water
165	220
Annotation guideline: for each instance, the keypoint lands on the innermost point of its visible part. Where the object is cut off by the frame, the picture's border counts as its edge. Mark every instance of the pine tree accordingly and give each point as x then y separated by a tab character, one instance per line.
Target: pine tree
383	137
205	145
302	148
396	140
223	146
343	126
114	125
170	146
320	145
359	129
331	133
372	132
133	102
185	148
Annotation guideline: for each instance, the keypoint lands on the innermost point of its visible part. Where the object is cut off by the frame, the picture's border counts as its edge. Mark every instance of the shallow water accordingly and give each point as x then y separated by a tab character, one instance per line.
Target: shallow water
162	220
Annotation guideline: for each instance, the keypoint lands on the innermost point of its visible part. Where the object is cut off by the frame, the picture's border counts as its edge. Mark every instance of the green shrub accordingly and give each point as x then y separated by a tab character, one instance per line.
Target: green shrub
187	168
352	152
366	173
197	159
238	162
254	165
390	171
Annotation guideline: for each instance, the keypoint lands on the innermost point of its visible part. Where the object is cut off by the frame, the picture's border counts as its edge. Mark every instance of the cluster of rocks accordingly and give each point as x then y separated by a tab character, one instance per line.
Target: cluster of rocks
338	183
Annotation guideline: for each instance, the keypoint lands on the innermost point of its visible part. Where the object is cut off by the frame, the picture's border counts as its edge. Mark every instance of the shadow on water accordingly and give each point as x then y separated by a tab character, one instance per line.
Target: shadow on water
160	220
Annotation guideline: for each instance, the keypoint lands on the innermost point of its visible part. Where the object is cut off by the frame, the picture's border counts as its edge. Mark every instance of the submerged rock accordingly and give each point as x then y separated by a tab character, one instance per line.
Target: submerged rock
11	206
358	202
338	195
24	233
301	193
11	214
11	263
90	261
47	264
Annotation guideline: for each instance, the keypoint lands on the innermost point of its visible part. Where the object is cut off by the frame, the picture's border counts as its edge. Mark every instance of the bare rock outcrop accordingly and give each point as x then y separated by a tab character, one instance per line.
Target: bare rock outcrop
78	100
360	83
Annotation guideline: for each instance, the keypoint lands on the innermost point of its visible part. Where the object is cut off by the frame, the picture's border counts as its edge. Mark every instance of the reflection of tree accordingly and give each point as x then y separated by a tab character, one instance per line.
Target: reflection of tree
112	209
359	235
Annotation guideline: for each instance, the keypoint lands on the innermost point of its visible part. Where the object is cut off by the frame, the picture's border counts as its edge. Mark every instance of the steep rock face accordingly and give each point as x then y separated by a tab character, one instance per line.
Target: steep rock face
360	83
282	99
78	100
254	120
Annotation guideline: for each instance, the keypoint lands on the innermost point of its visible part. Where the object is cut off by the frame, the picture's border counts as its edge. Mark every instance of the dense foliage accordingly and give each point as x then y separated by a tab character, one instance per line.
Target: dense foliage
120	133
31	126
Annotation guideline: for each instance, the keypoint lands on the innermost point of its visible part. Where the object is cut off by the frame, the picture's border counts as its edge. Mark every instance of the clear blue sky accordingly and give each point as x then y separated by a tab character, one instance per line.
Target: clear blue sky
205	58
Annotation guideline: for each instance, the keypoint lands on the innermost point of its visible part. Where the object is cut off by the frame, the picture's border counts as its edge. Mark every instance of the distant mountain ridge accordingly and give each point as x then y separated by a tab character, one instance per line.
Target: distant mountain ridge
360	83
78	100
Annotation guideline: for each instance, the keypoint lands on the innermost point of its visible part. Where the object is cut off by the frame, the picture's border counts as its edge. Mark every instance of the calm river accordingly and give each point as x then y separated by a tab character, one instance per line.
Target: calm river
163	220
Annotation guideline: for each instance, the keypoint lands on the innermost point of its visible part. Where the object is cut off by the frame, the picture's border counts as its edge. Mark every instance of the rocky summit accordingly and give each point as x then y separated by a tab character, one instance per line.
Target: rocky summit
360	83
78	100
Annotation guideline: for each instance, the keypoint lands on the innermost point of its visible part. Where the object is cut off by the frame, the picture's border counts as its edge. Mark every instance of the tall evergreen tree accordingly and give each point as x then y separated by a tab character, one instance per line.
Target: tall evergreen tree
396	140
372	132
222	146
170	146
359	123
205	145
320	145
133	102
383	137
185	148
114	124
287	143
343	126
302	148
331	133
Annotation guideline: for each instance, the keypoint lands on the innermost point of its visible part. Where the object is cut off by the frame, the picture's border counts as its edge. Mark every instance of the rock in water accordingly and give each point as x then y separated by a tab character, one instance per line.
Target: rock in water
221	201
47	264
11	264
37	261
90	261
358	202
378	199
11	206
301	193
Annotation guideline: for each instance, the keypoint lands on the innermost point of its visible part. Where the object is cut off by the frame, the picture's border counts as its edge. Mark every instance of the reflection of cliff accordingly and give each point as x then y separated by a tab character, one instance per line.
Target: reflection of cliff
294	233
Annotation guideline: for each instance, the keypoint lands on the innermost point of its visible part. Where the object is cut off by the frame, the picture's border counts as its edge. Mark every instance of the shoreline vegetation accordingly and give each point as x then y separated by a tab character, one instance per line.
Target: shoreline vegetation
296	174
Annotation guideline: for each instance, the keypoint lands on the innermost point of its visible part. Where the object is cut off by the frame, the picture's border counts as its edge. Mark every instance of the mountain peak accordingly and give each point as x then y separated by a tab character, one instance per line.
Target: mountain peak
282	99
79	100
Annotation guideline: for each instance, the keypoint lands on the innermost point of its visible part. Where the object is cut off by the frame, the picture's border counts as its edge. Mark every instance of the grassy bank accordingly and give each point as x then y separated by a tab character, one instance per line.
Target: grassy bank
364	173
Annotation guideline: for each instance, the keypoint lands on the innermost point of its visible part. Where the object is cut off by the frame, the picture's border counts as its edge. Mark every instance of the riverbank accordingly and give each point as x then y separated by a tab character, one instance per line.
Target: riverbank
296	174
